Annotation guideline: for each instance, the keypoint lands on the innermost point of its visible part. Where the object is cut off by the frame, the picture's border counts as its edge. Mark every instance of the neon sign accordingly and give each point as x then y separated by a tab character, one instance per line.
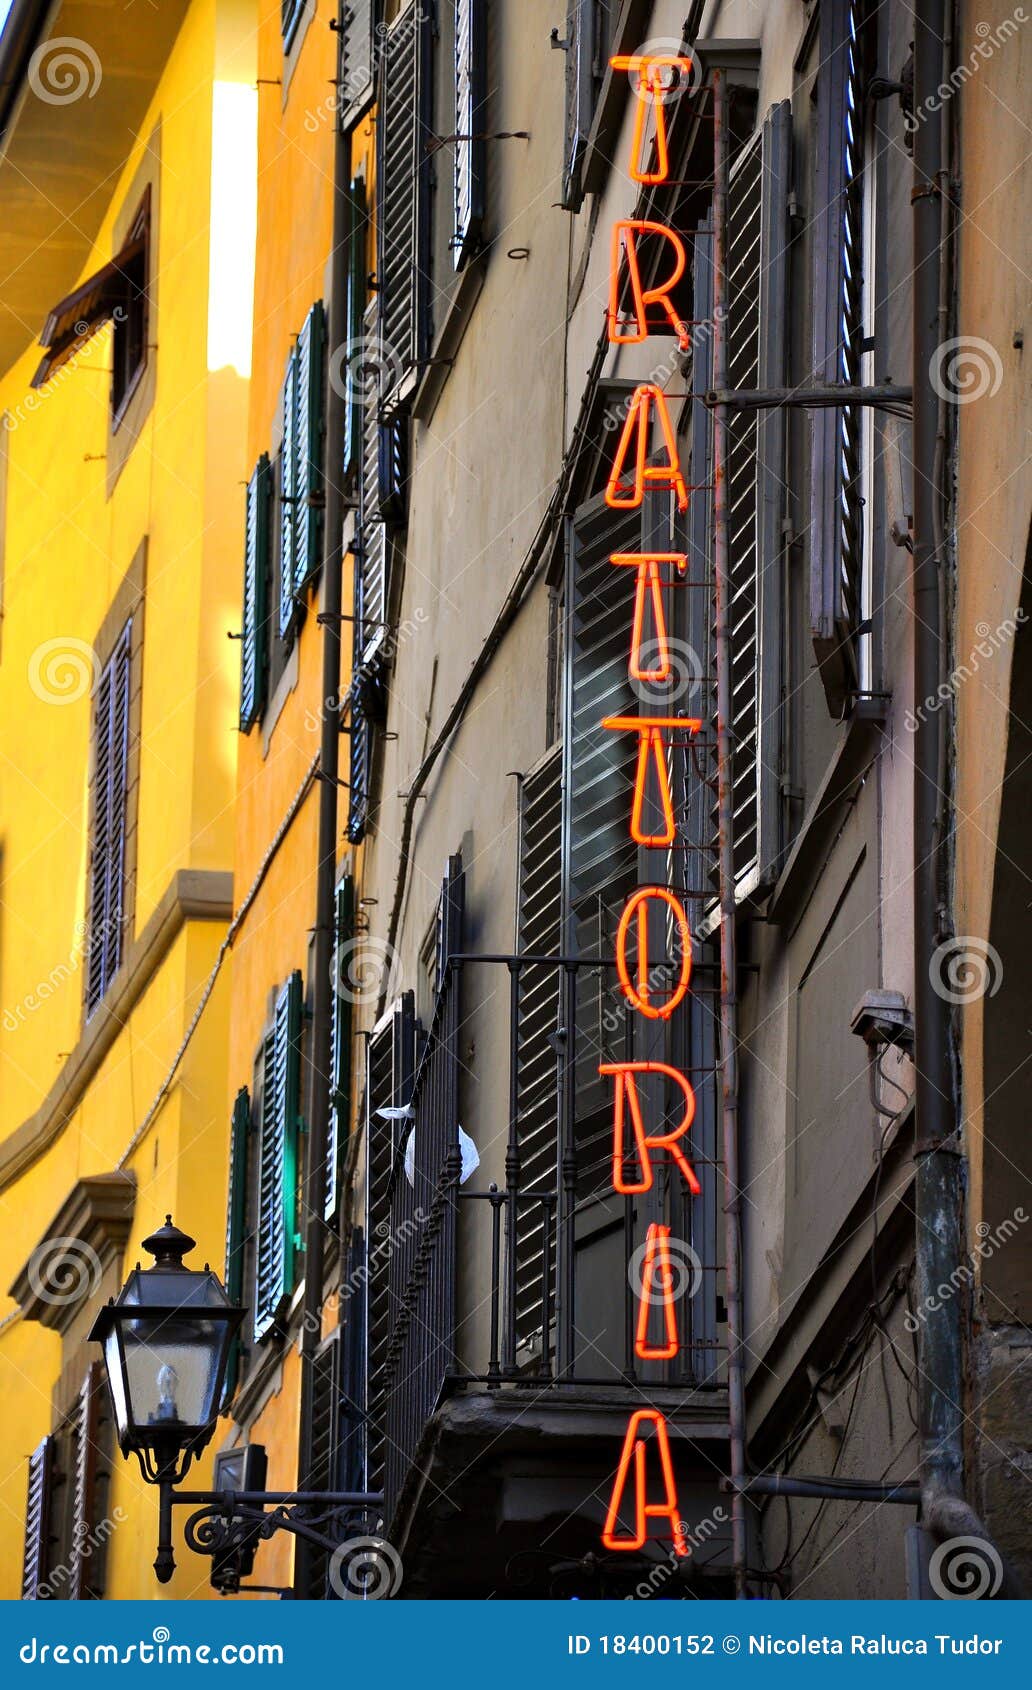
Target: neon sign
634	312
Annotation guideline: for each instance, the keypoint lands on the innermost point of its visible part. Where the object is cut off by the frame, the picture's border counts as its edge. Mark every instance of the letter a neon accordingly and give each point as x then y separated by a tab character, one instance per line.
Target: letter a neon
636	432
634	1454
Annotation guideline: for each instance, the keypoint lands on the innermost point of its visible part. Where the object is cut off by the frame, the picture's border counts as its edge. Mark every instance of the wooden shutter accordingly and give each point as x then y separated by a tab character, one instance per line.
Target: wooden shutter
371	538
392	469
403	196
757	275
391	1062
291	12
83	1454
254	646
289	483
357	60
110	806
311	428
837	298
340	1042
325	1445
236	1219
358	267
540	927
470	148
37	1519
580	96
276	1241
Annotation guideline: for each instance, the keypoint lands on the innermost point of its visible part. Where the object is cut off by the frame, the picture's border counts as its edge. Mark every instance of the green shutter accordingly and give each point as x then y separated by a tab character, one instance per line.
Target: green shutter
311	429
358	234
254	652
236	1219
289	483
277	1236
340	1041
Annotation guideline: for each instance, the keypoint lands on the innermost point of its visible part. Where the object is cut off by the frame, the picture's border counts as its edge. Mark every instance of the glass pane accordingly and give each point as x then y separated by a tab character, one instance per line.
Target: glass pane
171	1371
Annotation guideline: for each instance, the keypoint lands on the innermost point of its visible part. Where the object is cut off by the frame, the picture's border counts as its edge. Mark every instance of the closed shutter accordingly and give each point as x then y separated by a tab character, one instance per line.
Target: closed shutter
83	1453
309	508
391	1063
37	1519
325	1446
357	60
276	1233
110	805
470	146
836	541
756	277
358	275
580	96
289	483
371	540
540	926
254	647
403	195
340	1040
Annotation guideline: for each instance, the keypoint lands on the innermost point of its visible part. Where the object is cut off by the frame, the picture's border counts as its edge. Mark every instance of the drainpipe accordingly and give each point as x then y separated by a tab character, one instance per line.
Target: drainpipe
326	864
939	1161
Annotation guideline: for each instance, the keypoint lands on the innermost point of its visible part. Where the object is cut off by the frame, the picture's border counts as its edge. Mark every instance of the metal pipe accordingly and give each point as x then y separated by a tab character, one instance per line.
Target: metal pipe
725	830
319	1045
830	1490
812	398
939	1164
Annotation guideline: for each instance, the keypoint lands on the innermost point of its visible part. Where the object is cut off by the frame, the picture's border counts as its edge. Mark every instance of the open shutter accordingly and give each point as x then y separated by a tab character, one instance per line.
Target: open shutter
110	805
580	52
470	146
289	484
392	469
277	1240
351	1470
254	637
358	271
340	1040
391	1066
37	1519
757	277
311	428
537	1021
236	1218
84	1431
357	60
403	195
371	539
837	297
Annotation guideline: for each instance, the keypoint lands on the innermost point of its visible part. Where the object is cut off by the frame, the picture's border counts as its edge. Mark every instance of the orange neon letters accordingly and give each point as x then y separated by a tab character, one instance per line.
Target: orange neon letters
639	995
637	430
651	91
634	1450
657	1287
652	749
625	239
627	1102
649	586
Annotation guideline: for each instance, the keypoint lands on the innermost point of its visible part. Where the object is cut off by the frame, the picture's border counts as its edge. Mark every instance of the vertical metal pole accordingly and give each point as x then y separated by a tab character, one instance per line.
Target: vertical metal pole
725	831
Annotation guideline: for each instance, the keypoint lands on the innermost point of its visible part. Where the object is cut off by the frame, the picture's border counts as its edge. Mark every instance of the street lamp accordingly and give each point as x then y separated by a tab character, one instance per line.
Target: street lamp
166	1340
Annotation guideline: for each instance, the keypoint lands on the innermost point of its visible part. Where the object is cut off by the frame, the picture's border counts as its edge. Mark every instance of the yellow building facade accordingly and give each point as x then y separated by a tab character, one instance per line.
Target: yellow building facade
128	187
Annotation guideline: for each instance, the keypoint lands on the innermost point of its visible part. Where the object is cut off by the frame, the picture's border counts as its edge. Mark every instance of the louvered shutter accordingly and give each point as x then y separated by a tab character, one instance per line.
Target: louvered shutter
289	484
540	926
403	195
392	466
84	1451
579	96
837	292
254	641
37	1519
351	1472
236	1218
110	807
311	428
358	267
325	1444
291	12
470	147
357	60
340	1040
277	1239
756	275
391	1061
371	540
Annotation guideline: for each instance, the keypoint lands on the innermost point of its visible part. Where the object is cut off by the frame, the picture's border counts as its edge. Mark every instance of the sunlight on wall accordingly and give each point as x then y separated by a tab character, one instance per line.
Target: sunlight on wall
234	163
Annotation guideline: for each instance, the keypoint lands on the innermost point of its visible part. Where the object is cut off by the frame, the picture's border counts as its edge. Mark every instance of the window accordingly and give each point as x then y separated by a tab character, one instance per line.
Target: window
116	294
403	198
110	793
301	495
837	540
65	1533
276	1230
590	27
254	635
